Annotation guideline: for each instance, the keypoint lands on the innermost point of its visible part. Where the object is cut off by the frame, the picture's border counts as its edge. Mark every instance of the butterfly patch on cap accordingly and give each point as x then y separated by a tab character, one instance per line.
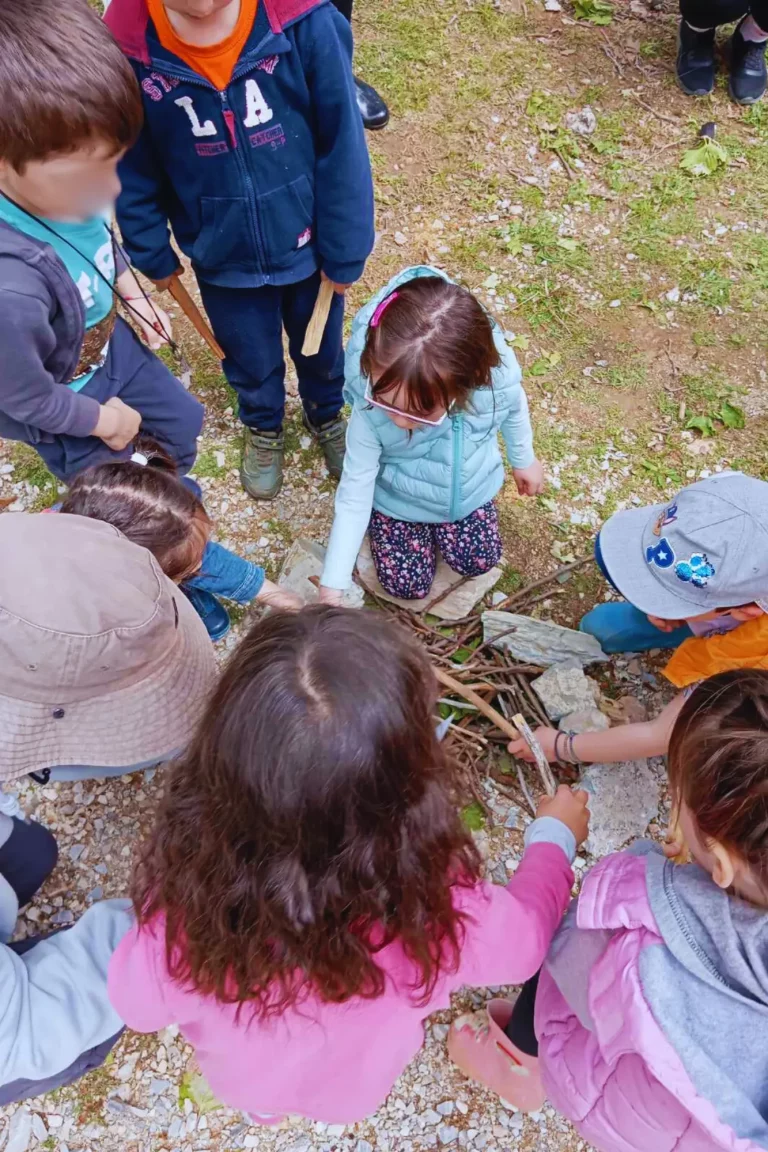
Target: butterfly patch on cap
668	516
697	570
662	554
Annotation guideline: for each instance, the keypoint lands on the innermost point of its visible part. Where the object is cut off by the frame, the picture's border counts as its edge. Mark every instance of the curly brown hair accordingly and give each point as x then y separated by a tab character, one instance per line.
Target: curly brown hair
312	822
435	342
718	764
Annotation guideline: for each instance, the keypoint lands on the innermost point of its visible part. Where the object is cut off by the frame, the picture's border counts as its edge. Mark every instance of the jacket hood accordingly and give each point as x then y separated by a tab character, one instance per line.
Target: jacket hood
128	20
718	938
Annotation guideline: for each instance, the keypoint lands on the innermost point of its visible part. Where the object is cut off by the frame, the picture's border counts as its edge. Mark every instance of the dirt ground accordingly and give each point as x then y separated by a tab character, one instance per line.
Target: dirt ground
634	293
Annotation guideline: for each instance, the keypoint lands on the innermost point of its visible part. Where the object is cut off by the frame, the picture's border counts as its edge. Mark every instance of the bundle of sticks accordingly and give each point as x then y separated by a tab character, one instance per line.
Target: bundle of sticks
487	694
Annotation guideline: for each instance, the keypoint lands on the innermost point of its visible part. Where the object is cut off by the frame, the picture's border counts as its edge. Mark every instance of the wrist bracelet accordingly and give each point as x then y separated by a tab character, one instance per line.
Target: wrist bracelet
572	753
558	754
133	299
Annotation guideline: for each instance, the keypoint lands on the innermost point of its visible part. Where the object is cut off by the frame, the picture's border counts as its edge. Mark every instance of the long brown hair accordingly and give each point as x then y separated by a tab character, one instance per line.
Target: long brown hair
312	821
149	504
434	341
718	764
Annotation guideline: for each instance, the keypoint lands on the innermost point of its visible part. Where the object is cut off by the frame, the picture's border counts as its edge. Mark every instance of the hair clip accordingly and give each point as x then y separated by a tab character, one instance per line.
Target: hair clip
381	309
139	458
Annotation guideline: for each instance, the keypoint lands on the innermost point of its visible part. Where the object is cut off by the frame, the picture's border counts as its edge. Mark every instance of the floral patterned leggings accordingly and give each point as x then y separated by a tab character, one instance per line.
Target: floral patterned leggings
405	553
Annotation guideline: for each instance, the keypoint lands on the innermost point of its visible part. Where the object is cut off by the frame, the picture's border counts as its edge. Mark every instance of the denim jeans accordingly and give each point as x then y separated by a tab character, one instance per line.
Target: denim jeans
624	628
226	574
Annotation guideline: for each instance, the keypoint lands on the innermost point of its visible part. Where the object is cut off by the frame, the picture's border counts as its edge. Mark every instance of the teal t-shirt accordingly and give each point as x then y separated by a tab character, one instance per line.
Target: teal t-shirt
89	243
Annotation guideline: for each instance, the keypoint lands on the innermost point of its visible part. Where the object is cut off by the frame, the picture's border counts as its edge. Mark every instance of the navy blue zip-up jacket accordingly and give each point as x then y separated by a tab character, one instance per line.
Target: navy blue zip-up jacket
264	182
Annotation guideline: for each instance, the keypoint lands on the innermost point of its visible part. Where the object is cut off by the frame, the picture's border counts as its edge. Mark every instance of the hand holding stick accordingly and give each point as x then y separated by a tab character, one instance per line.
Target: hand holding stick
313	337
509	730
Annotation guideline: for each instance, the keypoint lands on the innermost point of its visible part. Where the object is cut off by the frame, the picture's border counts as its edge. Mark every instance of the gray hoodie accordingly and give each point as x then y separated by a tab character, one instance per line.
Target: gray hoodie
42	325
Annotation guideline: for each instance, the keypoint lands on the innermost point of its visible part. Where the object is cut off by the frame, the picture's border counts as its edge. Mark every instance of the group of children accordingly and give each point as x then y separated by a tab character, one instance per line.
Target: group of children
309	894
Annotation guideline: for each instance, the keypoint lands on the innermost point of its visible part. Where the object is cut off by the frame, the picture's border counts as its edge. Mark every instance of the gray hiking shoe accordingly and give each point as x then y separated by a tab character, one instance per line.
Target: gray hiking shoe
261	471
332	440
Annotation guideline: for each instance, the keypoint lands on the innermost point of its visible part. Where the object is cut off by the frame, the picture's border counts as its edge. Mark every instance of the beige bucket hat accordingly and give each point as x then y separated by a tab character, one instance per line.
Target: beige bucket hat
103	661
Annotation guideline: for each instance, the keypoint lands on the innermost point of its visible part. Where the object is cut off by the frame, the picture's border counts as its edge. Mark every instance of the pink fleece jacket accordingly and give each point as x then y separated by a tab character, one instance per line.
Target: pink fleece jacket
337	1062
619	1081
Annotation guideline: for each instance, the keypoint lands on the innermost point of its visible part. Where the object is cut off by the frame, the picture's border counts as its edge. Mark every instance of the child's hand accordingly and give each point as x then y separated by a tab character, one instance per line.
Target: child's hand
276	597
340	288
118	425
570	808
153	321
530	481
665	625
545	737
332	596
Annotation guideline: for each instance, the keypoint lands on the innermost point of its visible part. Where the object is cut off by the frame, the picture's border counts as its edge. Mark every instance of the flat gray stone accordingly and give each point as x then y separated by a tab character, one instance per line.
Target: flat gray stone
455	606
564	688
586	720
19	1131
305	559
624	798
539	641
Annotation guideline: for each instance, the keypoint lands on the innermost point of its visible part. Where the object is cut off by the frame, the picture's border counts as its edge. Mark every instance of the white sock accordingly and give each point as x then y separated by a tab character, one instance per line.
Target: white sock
751	30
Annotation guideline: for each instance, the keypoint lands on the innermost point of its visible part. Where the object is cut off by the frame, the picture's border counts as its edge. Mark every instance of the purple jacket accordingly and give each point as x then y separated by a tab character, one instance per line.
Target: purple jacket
631	1019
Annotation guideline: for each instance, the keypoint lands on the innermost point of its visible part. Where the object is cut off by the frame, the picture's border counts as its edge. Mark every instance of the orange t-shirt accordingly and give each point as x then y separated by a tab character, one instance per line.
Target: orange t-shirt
216	62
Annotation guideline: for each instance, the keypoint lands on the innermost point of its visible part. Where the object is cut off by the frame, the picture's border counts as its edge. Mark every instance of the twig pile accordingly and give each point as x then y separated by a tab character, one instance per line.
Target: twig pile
458	648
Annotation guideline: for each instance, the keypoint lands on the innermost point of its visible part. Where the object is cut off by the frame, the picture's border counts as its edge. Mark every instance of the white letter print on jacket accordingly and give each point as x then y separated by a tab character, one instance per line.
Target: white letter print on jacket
257	111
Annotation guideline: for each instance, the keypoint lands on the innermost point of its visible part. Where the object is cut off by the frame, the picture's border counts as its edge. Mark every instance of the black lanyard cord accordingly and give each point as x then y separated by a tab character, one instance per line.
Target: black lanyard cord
116	245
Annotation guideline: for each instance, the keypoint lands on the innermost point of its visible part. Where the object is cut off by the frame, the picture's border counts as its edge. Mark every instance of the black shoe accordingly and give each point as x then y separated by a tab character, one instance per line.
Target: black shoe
749	74
695	60
373	110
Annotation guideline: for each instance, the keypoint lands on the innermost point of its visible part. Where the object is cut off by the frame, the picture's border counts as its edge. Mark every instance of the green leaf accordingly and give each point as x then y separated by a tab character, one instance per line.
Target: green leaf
596	11
705	158
731	415
520	342
548	503
474	817
703	424
196	1088
540	367
568	243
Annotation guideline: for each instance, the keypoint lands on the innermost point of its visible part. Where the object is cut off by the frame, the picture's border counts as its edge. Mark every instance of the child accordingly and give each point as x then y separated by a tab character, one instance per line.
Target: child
431	382
76	382
151	506
651	1007
697	54
253	149
104	666
699	568
309	894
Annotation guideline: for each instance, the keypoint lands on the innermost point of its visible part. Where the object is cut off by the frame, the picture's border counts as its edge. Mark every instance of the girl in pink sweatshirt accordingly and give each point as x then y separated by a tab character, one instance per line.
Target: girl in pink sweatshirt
309	894
651	1010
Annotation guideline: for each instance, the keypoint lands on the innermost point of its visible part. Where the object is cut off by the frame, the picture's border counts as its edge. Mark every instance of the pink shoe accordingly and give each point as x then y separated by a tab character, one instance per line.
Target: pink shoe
478	1045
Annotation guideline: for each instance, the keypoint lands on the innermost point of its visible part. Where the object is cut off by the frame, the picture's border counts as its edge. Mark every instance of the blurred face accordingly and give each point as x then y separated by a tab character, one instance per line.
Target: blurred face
395	403
198	9
66	187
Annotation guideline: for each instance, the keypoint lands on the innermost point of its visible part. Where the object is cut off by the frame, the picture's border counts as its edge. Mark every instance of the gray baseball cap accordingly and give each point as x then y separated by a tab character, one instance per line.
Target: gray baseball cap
705	549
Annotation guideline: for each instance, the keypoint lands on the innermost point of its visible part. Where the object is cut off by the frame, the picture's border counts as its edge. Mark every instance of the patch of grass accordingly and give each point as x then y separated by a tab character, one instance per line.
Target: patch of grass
92	1093
474	817
30	468
510	580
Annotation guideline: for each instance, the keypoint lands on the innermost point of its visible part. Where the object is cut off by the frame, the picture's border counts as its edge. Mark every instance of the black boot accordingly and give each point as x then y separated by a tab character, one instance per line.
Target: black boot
695	60
373	110
748	71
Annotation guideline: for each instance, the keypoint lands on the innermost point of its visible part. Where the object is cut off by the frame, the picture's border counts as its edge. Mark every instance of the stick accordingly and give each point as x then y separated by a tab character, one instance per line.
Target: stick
444	595
497	719
667	119
522	593
313	337
194	315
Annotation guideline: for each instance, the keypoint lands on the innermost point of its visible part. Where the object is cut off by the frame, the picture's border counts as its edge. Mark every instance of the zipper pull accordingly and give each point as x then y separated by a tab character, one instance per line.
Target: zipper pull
229	120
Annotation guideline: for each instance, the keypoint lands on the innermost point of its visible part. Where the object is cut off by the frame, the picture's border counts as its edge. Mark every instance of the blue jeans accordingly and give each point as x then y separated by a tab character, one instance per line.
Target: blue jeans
249	322
224	573
624	628
168	412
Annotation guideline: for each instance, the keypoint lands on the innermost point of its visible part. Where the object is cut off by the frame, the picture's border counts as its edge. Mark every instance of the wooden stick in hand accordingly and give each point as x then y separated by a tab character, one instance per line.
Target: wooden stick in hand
179	292
313	337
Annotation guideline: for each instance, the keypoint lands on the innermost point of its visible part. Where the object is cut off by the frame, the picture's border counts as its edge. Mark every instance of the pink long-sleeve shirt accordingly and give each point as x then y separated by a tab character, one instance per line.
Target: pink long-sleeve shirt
337	1062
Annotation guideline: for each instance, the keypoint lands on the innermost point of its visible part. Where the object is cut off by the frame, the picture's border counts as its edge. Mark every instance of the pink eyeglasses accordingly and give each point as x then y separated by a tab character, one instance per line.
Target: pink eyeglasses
399	411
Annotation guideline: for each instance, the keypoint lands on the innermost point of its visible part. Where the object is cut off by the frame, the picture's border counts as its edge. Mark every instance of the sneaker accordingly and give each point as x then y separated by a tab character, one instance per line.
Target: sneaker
373	110
261	471
480	1048
210	610
695	60
331	437
749	74
9	805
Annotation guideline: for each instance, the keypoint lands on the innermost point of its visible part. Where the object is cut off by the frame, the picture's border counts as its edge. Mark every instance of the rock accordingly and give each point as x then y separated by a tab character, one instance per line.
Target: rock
564	689
455	606
626	710
446	1134
624	798
306	559
587	720
446	1108
553	6
583	122
513	817
158	1087
76	852
400	239
39	1130
540	641
20	1131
